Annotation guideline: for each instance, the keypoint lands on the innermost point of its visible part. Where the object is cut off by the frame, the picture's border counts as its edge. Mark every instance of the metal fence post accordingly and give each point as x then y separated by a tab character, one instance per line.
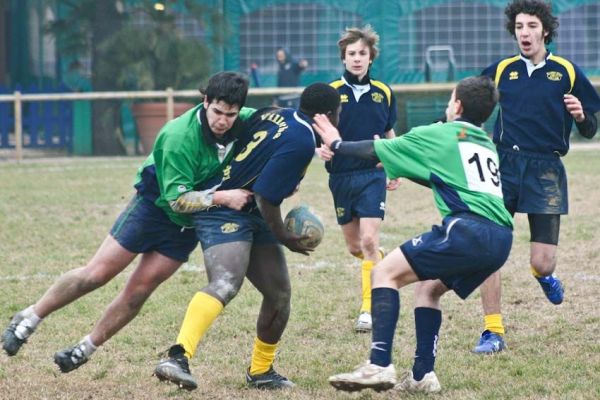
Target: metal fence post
18	127
170	104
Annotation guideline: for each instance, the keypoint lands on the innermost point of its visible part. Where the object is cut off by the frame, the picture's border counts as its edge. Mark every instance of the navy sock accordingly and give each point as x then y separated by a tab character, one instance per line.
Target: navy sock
385	307
427	326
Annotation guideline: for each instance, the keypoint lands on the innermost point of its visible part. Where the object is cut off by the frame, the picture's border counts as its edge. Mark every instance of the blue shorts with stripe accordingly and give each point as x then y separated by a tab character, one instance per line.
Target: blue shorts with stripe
359	194
218	225
143	227
463	252
533	183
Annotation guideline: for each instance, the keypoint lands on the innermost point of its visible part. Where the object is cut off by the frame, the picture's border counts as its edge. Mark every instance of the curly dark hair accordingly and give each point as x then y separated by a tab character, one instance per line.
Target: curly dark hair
539	8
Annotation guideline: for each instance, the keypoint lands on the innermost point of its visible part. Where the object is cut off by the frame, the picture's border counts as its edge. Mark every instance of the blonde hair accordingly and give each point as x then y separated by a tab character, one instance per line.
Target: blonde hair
354	34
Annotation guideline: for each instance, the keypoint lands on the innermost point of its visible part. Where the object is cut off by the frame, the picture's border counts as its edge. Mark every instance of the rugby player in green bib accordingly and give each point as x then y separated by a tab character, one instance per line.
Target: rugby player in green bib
189	150
460	164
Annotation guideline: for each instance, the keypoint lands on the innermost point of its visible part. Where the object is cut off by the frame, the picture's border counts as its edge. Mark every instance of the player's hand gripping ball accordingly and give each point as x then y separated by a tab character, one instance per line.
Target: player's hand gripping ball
301	221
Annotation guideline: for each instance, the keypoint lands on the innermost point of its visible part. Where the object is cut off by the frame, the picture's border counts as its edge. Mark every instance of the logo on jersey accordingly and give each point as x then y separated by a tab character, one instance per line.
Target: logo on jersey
513	75
181	188
554	76
417	241
382	206
377	97
343	98
229	227
340	211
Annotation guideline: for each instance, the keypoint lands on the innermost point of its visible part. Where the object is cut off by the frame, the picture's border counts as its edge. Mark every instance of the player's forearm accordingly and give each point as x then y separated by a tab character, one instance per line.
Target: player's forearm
193	201
588	127
272	215
364	149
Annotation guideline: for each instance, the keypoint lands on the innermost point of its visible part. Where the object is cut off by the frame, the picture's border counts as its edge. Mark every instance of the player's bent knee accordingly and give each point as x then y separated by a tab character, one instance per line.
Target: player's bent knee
278	295
225	289
136	300
88	280
544	264
369	244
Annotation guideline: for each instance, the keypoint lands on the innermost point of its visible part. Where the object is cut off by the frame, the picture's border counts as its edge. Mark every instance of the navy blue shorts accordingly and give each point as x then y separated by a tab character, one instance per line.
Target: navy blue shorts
533	183
462	253
143	227
219	225
359	194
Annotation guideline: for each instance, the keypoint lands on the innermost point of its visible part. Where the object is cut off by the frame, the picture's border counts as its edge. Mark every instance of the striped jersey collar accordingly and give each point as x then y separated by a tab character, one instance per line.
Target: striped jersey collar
530	66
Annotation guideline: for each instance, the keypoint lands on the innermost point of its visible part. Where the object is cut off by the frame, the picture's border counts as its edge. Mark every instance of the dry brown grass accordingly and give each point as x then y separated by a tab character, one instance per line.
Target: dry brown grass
54	215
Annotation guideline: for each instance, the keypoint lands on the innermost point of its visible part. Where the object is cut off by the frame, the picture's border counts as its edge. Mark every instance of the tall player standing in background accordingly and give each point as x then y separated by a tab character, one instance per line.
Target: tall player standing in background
540	96
358	186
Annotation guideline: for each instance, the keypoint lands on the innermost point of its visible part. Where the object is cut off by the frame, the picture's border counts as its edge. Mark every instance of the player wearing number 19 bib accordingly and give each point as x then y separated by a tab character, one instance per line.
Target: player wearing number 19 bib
460	164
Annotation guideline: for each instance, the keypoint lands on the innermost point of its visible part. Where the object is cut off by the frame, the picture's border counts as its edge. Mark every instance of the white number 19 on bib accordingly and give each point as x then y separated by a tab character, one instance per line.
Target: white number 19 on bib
481	168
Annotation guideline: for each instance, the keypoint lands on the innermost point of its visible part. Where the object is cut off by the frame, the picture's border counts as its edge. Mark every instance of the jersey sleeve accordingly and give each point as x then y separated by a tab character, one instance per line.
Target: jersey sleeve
175	164
246	113
403	156
585	92
490	71
284	171
174	172
393	115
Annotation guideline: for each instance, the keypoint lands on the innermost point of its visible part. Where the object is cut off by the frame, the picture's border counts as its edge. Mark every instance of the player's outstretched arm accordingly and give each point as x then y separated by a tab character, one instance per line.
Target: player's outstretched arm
331	137
194	201
272	216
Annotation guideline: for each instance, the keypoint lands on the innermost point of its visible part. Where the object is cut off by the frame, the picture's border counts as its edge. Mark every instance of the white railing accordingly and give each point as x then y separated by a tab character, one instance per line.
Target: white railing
169	94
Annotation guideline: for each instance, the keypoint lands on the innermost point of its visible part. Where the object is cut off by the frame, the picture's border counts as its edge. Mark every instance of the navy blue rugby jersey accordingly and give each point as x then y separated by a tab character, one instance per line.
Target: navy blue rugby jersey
274	155
532	112
364	114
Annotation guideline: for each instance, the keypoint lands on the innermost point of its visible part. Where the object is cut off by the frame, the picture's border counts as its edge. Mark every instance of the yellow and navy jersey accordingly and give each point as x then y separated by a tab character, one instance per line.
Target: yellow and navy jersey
532	112
367	110
274	154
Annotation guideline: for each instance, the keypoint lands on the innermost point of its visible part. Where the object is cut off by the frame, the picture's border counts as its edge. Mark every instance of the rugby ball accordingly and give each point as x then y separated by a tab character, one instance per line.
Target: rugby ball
301	221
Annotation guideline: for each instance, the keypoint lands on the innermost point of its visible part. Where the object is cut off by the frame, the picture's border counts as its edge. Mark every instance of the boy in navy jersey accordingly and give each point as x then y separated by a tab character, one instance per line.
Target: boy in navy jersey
277	149
357	186
541	95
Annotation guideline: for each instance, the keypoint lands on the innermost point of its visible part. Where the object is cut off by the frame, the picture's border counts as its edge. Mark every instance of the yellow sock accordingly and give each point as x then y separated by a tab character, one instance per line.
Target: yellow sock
365	268
493	323
200	314
535	273
263	355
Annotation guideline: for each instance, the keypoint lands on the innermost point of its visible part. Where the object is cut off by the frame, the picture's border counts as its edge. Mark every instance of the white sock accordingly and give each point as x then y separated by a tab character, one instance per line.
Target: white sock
28	324
88	347
32	319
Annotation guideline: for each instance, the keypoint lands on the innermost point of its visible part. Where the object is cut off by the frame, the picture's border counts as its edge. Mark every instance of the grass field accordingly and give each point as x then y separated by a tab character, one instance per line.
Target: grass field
55	213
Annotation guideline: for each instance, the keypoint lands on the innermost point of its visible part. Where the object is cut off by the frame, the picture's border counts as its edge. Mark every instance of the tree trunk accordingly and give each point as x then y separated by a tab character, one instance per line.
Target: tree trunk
107	138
